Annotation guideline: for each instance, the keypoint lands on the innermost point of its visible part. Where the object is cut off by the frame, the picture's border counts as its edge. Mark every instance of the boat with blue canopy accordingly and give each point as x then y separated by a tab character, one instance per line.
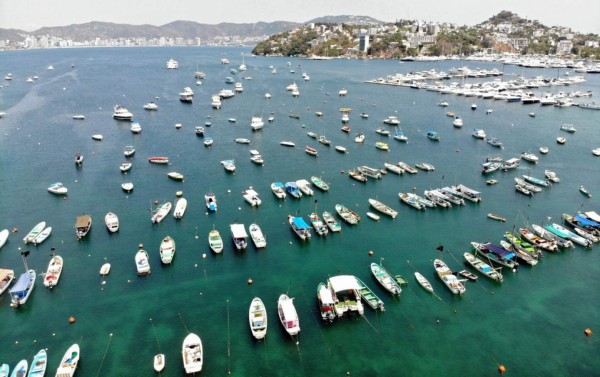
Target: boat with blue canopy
300	227
292	189
496	254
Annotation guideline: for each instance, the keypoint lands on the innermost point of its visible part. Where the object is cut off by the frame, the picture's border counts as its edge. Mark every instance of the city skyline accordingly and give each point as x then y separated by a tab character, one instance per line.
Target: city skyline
35	14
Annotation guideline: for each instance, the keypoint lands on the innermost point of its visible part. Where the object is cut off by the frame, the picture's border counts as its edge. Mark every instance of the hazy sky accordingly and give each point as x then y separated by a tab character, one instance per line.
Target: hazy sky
580	15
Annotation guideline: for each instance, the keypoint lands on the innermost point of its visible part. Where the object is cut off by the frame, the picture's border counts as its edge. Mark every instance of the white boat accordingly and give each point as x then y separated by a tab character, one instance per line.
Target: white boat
129	151
383	208
112	222
97	137
151	106
304	186
22	289
105	269
300	227
287	143
78	159
215	242
6	277
125	166
58	189
529	157
392	121
210	199
448	278
457	122
20	369
142	263
215	102
346	294
53	272
478	133
161	212
483	267
135	128
288	315
239	236
340	149
596	152
38	364
343	92
208	141
423	282
42	236
121	113
550	175
167	250
83	224
373	216
175	176
257	318
242	140
127	186
251	196
159	362
229	165
257	236
360	137
192	353
257	123
331	222
385	279
180	207
278	189
172	64
393	168
318	224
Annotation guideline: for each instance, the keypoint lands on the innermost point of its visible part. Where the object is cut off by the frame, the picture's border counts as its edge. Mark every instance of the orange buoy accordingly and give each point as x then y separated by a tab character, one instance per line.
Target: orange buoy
371	252
71	320
588	332
15	230
250	281
501	369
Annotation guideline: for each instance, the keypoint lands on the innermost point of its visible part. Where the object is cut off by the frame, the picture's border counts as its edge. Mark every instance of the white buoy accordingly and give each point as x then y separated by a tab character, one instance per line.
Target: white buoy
204	256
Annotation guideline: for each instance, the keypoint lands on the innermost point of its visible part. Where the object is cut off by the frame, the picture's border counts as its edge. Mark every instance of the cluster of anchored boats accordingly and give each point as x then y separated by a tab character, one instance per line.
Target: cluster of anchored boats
38	366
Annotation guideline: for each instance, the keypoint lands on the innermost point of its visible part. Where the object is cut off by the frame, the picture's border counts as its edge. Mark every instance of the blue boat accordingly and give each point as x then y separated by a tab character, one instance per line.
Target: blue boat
20	292
300	227
292	189
38	365
496	254
584	221
535	181
433	135
21	369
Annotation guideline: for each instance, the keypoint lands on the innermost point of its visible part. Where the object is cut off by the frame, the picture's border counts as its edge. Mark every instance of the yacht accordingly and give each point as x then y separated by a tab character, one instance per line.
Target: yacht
216	102
151	106
257	123
172	64
121	113
392	120
187	95
457	122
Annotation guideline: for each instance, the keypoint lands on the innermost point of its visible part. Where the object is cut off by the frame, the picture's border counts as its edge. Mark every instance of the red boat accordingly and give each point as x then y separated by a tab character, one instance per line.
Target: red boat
159	160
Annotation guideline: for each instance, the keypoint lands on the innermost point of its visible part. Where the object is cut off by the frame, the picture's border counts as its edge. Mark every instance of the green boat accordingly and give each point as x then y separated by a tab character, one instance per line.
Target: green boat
331	222
400	280
369	296
321	185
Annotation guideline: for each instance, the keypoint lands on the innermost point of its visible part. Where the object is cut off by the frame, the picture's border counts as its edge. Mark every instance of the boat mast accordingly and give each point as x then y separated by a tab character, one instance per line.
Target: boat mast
24	255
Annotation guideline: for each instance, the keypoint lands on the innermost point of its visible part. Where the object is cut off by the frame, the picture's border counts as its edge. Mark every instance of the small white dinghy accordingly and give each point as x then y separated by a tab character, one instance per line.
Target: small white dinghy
159	362
105	269
3	237
97	137
53	272
192	353
112	222
42	236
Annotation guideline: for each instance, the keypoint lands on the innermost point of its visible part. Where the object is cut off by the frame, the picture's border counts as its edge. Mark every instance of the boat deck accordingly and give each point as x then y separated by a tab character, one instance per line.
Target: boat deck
369	296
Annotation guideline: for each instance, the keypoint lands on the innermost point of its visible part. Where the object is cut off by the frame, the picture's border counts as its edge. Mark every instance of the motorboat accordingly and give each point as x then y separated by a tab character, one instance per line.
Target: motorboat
125	166
457	122
251	196
425	166
192	353
83	224
584	191
279	190
568	128
257	318
215	102
135	128
142	262
311	151
392	121
38	364
175	176
159	160
319	183
323	140
448	278
400	136
112	222
383	208
342	149
239	236
318	224
529	157
41	237
69	361
257	236
129	151
304	187
76	117
432	135
159	362
238	87
127	186
300	227
151	106
229	165
561	140
496	254
210	199
208	141
6	277
360	137
78	159
288	315
257	123
58	189
53	272
411	200
180	207
97	137
172	64
326	303
167	250
161	212
121	113
215	242
494	142
21	290
346	294
342	92
478	133
287	144
242	140
487	270
293	190
331	222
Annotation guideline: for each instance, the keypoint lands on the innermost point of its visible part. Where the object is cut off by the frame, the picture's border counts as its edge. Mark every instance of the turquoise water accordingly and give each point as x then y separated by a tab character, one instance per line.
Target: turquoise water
533	323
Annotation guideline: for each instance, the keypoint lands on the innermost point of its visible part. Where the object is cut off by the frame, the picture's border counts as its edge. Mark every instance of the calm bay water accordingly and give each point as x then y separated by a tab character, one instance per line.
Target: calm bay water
533	323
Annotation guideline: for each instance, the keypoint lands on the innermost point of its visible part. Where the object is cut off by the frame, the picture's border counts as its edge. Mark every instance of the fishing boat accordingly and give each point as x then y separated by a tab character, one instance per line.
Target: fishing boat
192	353
278	189
425	166
175	176
257	236
6	277
368	295
161	212
251	196
535	181
180	207
105	269
528	186
20	369
215	242
58	189
293	190
520	253
167	250
34	232
319	183
569	235
42	236
239	236
411	200
326	303
495	216
423	282
357	176
159	160
483	267
229	165
68	363
111	220
448	278
551	176
496	254
393	168
347	214
585	192
257	318
142	262
159	362
331	222
210	199
468	193
300	227
385	279
83	224
432	135
53	272
288	315
38	365
22	289
537	241
407	168
346	295
311	151
318	224
383	208
529	157
78	159
392	121
400	280
127	186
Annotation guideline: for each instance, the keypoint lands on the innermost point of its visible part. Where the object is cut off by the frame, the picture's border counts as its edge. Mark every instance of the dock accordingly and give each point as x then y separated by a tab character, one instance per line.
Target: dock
369	296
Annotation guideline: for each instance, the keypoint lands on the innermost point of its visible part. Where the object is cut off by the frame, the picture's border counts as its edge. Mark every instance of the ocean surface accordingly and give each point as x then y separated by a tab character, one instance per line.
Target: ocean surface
533	323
